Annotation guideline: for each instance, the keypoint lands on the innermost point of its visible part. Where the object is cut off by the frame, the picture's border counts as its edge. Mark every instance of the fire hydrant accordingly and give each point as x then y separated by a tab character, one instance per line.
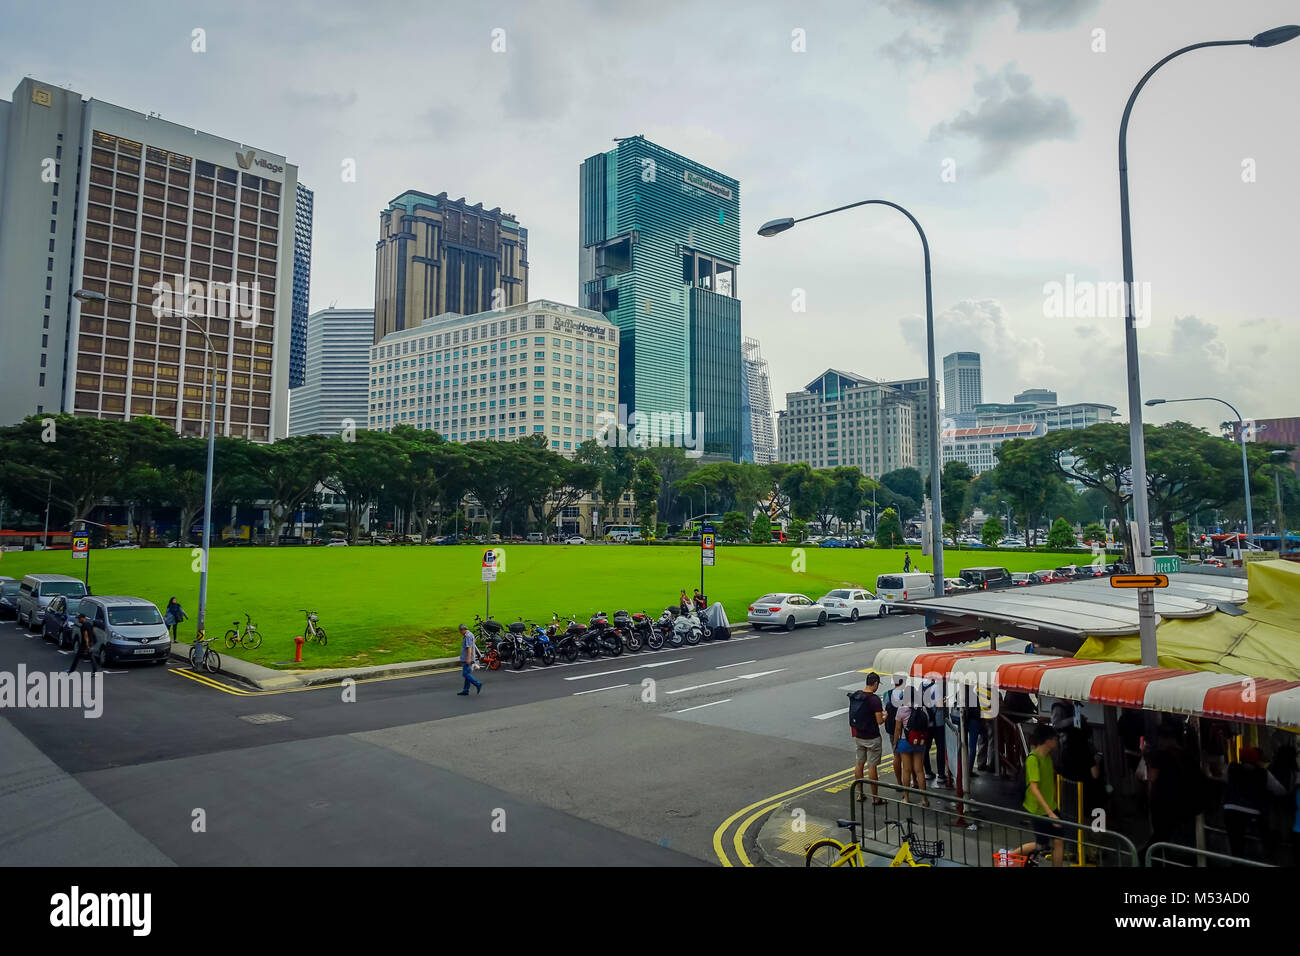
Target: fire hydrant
297	653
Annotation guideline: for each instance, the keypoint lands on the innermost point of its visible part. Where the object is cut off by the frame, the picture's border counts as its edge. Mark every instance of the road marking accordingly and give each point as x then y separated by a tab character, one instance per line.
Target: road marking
624	670
599	689
737	664
698	706
849	687
715	683
830	713
837	674
827	647
767	803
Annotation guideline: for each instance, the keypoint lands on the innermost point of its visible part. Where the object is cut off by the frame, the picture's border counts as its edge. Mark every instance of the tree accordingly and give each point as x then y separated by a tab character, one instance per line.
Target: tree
290	470
761	531
796	530
991	533
359	471
889	530
79	460
1025	474
806	490
848	487
954	488
1061	536
1094	532
905	483
645	490
733	527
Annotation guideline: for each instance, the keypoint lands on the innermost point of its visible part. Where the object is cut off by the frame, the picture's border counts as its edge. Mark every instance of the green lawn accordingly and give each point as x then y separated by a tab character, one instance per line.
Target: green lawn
385	604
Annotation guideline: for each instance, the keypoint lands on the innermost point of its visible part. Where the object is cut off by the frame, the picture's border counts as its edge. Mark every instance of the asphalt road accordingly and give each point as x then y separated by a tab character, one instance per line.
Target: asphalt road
635	760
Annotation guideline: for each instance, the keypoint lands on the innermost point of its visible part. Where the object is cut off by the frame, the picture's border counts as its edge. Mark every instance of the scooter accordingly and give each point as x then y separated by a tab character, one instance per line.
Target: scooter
539	640
626	632
687	629
666	631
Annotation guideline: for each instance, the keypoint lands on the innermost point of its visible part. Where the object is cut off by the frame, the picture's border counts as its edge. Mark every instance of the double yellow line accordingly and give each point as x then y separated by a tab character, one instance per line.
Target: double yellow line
240	692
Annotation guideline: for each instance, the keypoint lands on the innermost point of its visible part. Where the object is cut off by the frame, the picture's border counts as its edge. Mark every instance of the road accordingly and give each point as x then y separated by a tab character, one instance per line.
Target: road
632	760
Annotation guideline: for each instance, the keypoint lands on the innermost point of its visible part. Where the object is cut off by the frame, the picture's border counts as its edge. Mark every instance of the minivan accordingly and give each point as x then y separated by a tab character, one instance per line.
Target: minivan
36	592
126	629
904	586
987	579
536	536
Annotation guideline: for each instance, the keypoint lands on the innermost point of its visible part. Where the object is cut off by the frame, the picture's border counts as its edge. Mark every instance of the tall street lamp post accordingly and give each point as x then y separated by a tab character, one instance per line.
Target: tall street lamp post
86	295
1141	515
774	226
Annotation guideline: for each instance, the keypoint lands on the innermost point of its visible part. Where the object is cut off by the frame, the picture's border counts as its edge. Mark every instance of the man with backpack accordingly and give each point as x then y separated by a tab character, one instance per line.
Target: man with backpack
866	714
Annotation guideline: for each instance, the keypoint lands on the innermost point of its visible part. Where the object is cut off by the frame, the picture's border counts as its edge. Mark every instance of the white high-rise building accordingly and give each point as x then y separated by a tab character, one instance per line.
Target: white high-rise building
123	204
962	386
335	393
845	419
758	443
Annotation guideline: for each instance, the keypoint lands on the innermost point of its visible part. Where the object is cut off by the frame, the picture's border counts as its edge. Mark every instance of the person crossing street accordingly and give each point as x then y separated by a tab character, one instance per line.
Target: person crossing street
84	634
468	656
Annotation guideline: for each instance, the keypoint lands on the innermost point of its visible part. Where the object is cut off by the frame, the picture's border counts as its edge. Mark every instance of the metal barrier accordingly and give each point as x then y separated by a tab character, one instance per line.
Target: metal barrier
1199	857
973	832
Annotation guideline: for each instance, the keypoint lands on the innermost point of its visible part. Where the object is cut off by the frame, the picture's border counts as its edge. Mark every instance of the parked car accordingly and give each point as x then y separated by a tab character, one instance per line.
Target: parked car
957	586
38	590
448	539
9	597
1051	576
1023	578
126	629
575	539
852	603
830	543
536	536
337	543
1011	543
856	542
1119	567
904	586
987	579
786	610
60	623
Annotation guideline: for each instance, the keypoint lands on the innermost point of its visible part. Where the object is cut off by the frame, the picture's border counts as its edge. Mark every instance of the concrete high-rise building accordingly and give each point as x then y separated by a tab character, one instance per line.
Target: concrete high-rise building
301	286
845	419
978	447
437	255
540	368
336	389
160	218
759	442
659	248
920	391
962	386
1038	405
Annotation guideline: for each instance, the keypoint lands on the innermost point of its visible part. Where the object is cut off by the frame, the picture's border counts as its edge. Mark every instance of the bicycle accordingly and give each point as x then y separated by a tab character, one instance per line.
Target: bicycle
1013	858
250	637
311	630
203	657
913	851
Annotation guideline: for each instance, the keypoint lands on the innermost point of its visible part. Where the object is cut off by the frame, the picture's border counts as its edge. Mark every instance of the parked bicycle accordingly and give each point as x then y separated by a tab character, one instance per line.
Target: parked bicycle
912	852
203	657
249	636
312	631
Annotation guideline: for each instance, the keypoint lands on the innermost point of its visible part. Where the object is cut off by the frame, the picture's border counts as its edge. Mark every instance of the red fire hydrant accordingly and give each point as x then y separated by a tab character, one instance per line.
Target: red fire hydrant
297	653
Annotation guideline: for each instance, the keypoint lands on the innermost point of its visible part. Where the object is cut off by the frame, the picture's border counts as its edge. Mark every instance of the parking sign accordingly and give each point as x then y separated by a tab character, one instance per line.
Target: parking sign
80	545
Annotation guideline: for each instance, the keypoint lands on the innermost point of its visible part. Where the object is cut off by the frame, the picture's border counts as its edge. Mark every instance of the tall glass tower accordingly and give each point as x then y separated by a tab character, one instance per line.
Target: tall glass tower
301	286
659	250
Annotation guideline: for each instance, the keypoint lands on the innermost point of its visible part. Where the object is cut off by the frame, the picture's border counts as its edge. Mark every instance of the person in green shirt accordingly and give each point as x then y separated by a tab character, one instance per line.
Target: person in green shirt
1040	795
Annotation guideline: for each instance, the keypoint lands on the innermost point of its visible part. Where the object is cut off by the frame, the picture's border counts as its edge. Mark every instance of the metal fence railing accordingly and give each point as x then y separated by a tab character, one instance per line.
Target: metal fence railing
1176	854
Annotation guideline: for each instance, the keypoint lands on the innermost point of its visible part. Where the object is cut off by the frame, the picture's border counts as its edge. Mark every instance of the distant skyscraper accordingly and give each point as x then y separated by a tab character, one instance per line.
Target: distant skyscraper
437	255
336	386
962	389
659	242
301	285
759	444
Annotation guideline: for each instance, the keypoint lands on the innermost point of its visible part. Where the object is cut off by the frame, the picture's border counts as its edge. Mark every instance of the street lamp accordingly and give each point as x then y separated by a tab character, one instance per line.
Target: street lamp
86	295
1146	597
775	226
1277	456
1245	467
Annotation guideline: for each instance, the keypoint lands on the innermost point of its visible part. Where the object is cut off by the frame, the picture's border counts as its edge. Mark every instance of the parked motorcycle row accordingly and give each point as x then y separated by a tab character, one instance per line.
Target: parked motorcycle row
521	643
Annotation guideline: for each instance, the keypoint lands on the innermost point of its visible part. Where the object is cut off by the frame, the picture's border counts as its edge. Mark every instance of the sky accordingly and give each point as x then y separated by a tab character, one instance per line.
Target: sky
994	121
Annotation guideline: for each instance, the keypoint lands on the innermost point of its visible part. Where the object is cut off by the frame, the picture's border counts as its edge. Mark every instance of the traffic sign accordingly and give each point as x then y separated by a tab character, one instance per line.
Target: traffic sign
1139	581
490	558
1170	564
706	540
80	545
489	574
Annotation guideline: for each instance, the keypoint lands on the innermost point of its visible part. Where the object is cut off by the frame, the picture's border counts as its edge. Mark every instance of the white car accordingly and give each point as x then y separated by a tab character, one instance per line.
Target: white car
337	543
575	539
852	603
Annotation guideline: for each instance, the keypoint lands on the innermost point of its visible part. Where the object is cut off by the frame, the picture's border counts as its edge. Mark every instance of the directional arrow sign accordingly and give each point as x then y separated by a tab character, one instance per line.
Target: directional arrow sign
1139	581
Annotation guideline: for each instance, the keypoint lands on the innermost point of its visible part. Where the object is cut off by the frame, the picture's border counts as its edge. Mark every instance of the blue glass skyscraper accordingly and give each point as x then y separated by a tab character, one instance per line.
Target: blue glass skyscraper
301	286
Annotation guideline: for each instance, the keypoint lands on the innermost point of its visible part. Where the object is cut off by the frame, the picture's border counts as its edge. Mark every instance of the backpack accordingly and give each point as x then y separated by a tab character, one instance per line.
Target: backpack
862	717
918	726
891	714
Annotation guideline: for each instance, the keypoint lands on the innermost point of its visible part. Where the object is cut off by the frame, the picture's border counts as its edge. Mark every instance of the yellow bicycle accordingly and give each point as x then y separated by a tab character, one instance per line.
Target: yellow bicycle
913	851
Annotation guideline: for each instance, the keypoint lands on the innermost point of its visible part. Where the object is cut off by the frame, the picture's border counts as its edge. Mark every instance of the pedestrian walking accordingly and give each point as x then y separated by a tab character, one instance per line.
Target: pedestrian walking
468	661
866	714
1040	796
84	634
907	562
173	616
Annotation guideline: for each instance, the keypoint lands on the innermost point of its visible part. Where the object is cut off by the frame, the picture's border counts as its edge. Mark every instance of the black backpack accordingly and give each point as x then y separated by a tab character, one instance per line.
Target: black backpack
891	714
862	716
918	725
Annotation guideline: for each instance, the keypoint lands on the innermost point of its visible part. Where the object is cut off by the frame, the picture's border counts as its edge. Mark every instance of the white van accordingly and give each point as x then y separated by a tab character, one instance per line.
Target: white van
36	592
904	586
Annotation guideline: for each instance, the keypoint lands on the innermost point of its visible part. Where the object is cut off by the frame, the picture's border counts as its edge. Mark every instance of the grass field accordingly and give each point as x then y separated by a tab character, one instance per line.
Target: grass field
403	603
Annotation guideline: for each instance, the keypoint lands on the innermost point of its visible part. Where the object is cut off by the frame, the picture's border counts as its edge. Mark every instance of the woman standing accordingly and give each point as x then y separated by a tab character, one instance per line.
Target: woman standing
908	743
173	616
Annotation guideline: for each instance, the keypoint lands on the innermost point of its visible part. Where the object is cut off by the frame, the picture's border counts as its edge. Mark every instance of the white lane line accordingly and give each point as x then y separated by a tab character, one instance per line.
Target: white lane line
698	706
715	683
849	687
830	713
737	664
827	647
624	670
599	689
838	674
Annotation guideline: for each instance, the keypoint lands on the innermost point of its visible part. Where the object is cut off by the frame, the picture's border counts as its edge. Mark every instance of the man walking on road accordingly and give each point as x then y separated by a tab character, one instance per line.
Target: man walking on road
907	562
468	652
866	714
84	634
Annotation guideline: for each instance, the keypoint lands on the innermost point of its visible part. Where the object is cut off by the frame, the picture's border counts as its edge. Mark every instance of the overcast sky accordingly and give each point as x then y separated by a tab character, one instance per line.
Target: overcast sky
1015	93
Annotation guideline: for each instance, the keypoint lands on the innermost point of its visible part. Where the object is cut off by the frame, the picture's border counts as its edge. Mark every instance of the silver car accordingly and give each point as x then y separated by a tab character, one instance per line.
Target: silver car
126	629
785	610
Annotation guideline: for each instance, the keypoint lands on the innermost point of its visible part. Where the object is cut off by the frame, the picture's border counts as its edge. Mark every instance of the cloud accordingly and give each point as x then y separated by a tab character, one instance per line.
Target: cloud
1009	118
319	100
956	21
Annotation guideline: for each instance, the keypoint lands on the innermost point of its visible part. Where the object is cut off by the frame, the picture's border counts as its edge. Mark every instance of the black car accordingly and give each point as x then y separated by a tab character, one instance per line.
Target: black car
60	623
1119	567
9	597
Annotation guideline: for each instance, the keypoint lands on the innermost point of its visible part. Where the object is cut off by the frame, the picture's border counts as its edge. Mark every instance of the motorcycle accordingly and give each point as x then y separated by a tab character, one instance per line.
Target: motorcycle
568	643
518	646
687	628
626	632
493	641
539	641
645	631
603	636
664	630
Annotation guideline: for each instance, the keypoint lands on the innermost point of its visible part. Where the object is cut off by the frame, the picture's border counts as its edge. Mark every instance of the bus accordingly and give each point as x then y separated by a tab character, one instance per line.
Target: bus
623	532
